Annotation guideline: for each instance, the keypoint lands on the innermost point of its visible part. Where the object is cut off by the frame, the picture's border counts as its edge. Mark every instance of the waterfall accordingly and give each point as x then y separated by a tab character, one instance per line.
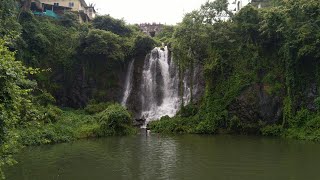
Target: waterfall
128	84
153	86
186	91
159	86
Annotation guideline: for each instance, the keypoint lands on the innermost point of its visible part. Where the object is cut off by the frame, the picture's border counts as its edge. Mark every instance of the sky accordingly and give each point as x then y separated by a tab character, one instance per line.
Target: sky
167	12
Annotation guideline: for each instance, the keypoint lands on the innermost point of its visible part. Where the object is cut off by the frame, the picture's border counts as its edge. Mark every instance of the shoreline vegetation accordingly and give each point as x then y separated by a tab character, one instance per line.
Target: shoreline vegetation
59	79
70	125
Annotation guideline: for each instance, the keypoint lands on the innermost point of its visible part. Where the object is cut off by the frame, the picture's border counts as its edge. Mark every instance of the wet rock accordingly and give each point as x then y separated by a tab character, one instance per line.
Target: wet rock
310	95
134	103
155	54
255	104
159	88
139	122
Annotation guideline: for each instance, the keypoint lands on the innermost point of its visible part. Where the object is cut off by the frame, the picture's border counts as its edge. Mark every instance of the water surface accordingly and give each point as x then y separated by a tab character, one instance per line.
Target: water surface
176	157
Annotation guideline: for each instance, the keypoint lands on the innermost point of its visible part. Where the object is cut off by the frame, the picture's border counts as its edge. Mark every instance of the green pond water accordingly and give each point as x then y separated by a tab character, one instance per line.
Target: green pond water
171	157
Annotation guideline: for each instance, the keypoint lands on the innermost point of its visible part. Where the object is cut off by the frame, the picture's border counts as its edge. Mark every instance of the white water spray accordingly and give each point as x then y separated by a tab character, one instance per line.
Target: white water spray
128	84
159	87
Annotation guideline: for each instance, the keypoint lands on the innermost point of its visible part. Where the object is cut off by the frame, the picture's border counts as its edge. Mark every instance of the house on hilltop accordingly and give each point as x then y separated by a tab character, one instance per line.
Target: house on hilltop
58	7
151	29
237	5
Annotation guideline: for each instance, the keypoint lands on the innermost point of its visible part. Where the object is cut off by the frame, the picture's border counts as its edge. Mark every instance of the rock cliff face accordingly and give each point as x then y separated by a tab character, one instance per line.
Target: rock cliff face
255	104
87	82
134	100
154	86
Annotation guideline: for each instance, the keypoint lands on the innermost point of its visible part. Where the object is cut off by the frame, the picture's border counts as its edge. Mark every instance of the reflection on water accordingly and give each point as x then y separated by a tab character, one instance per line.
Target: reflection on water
177	157
158	157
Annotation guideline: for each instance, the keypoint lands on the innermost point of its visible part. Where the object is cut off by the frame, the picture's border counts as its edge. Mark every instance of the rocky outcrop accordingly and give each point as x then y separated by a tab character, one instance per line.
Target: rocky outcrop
88	82
134	101
309	96
255	104
139	122
198	87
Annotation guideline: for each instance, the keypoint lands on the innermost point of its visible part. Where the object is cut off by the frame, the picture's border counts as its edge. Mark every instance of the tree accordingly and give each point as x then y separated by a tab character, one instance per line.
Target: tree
116	120
143	44
100	42
69	19
108	23
214	11
14	97
9	27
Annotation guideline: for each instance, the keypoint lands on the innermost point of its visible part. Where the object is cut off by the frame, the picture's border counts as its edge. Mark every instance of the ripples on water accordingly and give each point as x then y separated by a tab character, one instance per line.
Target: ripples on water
178	157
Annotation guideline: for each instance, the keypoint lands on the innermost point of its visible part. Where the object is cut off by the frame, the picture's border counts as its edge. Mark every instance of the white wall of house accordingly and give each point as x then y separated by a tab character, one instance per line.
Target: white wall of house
237	5
91	12
76	5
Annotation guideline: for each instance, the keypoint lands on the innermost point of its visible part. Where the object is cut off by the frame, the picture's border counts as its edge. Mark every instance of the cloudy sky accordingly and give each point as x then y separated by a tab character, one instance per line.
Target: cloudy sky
139	11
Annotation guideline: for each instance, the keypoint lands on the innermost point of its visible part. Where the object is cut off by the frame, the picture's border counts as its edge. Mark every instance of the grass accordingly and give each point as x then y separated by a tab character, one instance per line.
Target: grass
72	125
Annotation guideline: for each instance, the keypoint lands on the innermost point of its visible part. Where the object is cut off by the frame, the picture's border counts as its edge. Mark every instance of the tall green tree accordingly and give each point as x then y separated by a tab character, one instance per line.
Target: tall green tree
9	27
15	99
109	23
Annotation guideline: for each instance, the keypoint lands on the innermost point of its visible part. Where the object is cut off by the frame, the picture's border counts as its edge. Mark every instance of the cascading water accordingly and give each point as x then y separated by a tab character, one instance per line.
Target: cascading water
186	91
159	88
128	84
152	88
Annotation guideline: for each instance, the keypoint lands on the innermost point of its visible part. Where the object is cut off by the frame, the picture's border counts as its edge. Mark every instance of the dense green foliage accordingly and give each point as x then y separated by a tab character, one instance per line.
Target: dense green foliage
13	102
9	27
108	23
94	108
259	53
77	124
82	61
165	35
116	120
256	59
59	60
69	126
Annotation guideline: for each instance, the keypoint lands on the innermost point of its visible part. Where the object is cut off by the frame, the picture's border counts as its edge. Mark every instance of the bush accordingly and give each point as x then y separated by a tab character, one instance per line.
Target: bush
301	117
52	114
71	125
168	125
69	19
272	130
317	103
207	127
188	110
143	44
313	124
45	98
310	128
108	23
93	108
236	125
115	120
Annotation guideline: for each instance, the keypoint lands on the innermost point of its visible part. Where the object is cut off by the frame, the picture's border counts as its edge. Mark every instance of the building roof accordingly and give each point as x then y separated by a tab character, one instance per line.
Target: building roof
83	2
92	7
